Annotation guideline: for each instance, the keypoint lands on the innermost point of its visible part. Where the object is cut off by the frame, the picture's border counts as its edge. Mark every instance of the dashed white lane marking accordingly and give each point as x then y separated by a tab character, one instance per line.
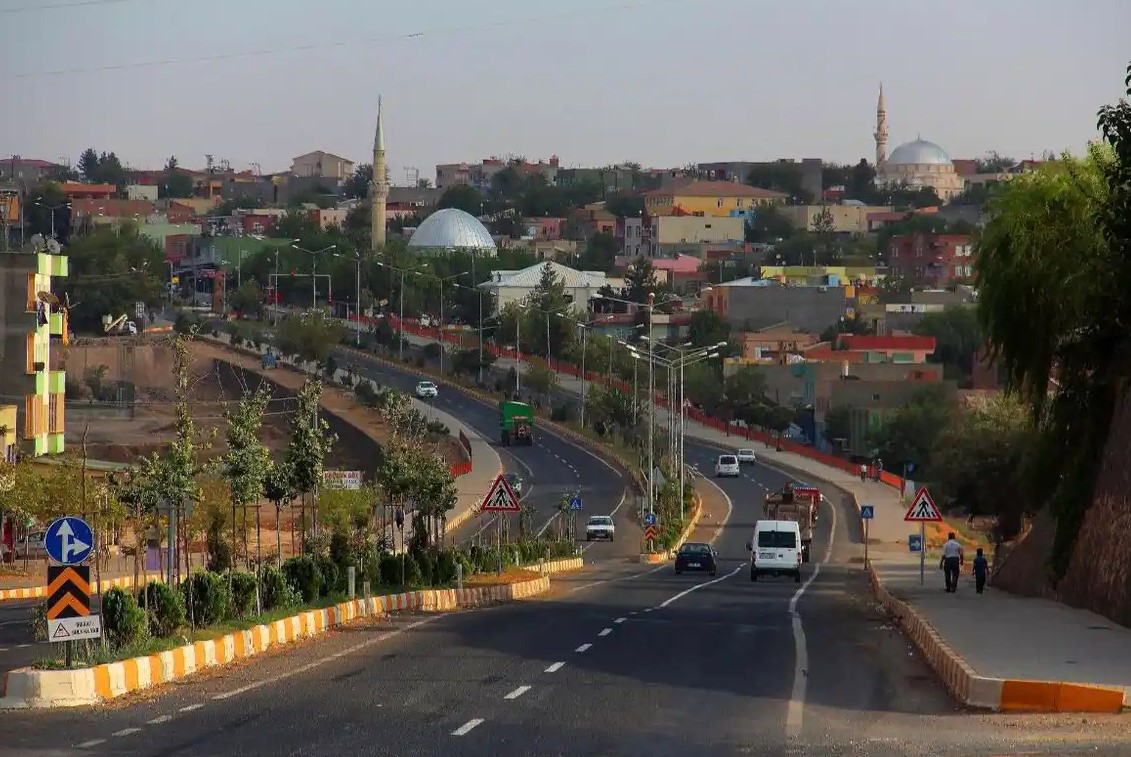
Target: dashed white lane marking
649	609
467	727
795	712
632	577
620	620
697	587
22	646
3	649
159	720
89	744
584	648
555	667
126	732
518	692
605	632
191	707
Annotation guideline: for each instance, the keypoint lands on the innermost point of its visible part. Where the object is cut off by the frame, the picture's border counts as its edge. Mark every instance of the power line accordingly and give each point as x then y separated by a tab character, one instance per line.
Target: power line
640	4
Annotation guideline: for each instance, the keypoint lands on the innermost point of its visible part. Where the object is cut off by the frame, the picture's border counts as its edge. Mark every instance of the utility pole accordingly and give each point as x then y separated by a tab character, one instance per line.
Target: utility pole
651	407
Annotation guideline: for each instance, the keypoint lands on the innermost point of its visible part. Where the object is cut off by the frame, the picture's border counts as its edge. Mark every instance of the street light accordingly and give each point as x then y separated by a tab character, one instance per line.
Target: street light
400	316
52	209
357	293
314	270
442	280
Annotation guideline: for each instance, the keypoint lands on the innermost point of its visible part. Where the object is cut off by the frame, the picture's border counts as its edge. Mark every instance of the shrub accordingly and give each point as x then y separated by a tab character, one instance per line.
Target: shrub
275	590
304	577
330	574
432	350
412	574
243	593
164	607
424	564
123	622
444	570
207	597
37	623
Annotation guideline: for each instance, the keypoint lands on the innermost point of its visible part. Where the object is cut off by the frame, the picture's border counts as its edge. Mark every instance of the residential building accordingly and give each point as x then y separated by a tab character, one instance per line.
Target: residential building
142	192
407	201
480	175
810	171
109	210
78	191
182	235
879	219
28	320
935	259
849	217
683	272
611	179
889	349
774	342
580	286
593	219
820	275
869	402
630	234
323	165
663	233
11	212
259	220
751	304
327	217
545	229
28	171
709	198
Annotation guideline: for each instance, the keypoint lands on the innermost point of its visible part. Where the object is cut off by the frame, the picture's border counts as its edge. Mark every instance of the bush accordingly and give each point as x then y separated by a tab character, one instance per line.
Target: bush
304	577
164	607
562	413
243	593
275	590
432	350
331	576
37	623
391	571
123	622
425	565
444	570
208	599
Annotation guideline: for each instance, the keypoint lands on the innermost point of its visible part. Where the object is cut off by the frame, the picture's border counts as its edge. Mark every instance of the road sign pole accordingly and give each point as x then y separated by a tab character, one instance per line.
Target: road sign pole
499	544
922	553
866	543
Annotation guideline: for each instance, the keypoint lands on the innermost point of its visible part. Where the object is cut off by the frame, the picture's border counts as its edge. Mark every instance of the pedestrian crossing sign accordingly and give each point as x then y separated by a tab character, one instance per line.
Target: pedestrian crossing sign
923	508
500	498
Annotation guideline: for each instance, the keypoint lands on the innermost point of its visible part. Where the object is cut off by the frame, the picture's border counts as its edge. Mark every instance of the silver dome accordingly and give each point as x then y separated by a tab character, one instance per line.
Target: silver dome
452	227
917	153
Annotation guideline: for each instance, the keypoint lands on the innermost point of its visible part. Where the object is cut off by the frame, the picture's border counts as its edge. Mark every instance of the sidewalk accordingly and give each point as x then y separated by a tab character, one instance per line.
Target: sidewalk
993	651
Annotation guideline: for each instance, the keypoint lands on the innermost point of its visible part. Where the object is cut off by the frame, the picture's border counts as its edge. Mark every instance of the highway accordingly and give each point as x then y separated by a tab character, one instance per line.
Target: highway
619	660
552	467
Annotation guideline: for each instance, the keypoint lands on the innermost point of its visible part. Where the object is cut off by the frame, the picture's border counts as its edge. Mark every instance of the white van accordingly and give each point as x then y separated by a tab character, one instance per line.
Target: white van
776	549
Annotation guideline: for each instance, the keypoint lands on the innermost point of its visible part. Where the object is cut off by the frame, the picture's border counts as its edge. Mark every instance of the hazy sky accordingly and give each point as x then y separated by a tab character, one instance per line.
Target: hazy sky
659	82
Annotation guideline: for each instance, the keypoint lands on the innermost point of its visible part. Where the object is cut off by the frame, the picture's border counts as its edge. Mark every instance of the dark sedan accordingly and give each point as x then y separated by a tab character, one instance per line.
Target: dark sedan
696	556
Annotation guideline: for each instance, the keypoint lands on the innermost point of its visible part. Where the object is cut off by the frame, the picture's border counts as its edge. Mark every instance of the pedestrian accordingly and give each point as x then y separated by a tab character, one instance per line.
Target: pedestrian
981	569
951	563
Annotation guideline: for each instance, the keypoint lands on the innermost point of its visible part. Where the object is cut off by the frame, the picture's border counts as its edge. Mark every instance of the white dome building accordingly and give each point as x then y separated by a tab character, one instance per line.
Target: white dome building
452	228
921	164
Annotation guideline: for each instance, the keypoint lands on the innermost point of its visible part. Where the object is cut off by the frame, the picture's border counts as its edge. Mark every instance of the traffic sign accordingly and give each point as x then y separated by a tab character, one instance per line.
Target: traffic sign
867	512
70	629
914	543
69	540
68	591
923	508
500	498
650	533
649	519
575	502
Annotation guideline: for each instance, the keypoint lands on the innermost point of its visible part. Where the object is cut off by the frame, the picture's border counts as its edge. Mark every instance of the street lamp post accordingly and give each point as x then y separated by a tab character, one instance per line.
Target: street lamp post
314	271
442	280
357	296
52	209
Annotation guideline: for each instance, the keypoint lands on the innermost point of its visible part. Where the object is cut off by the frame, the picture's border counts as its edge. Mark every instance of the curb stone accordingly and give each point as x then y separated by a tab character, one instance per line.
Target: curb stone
28	688
650	558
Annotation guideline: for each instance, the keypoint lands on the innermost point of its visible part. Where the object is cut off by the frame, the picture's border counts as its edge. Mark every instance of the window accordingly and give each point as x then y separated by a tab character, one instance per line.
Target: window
31	353
777	540
31	290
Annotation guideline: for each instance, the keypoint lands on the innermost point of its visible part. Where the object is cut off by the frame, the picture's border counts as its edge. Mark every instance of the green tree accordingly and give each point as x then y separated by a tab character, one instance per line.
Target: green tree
907	433
357	185
279	490
310	335
464	197
707	328
838	424
640	280
246	461
600	253
625	205
768	226
109	272
745	392
780	176
958	336
247	300
311	441
175	183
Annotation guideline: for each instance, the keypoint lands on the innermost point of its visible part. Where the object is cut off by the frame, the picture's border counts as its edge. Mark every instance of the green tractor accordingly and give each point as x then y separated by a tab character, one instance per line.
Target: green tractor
516	423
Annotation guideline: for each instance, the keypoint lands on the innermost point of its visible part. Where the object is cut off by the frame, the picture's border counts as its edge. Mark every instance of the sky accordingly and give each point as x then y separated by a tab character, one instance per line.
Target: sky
659	82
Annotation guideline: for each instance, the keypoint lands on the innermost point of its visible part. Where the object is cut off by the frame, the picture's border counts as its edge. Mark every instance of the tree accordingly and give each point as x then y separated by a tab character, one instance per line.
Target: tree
745	391
767	226
310	443
357	185
958	337
838	424
247	300
246	461
88	164
102	168
109	272
707	328
625	205
640	280
310	335
175	183
992	162
279	490
600	252
978	461
907	433
464	197
780	176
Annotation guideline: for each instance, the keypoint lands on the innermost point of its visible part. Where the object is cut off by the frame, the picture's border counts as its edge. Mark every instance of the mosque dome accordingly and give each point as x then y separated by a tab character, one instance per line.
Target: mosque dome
452	227
919	153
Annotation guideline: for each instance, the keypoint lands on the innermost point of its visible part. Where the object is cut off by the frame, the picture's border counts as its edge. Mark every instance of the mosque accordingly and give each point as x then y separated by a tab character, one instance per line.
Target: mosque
916	164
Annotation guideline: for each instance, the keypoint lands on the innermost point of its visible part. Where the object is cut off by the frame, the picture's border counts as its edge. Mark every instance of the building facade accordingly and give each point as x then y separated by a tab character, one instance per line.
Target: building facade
934	259
709	198
29	316
321	164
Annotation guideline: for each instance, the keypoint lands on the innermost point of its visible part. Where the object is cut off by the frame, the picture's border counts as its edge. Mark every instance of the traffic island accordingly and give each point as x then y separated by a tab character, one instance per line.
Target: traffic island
650	558
28	688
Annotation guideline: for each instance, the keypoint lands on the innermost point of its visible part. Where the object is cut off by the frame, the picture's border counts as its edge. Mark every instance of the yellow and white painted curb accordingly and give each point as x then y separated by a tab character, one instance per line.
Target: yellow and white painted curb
35	592
649	558
35	689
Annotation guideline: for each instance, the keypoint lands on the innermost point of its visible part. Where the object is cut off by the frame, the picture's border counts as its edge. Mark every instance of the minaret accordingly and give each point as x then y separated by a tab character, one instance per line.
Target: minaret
881	134
379	187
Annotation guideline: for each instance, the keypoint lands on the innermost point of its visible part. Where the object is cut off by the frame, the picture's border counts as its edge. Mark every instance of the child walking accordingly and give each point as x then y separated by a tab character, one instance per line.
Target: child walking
981	568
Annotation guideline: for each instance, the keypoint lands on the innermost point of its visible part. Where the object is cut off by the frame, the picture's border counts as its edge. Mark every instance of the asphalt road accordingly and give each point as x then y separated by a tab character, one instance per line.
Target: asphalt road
553	466
620	660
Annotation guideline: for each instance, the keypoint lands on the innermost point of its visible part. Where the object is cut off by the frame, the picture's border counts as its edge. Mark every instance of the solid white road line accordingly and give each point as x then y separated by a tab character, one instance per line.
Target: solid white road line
518	692
795	712
89	744
584	648
467	727
605	632
555	667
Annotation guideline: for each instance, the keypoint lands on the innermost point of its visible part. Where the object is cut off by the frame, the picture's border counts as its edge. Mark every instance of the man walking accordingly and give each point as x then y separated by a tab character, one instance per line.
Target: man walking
952	559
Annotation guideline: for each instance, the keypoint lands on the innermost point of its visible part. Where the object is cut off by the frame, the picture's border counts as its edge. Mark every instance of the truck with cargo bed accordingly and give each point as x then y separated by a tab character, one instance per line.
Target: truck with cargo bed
796	503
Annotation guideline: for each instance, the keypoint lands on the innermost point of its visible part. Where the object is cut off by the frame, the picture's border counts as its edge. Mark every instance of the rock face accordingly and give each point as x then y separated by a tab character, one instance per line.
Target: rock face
1099	573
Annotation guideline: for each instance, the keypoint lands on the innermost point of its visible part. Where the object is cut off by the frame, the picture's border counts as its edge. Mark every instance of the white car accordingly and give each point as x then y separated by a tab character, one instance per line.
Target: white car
600	527
776	549
426	389
746	457
727	465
